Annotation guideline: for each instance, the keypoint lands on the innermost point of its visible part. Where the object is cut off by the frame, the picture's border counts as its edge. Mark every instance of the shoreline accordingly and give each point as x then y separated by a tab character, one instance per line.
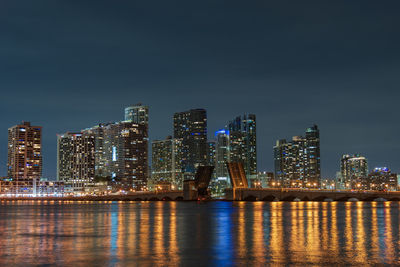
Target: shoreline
103	199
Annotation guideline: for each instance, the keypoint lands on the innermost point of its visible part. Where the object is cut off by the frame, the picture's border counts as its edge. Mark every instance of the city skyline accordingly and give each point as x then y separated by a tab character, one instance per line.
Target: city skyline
199	133
292	65
212	137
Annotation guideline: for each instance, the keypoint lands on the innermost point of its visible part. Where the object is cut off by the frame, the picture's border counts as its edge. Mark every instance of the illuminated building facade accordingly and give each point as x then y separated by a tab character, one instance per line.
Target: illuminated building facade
191	127
167	163
121	150
382	179
101	159
36	188
243	143
297	163
211	147
354	170
312	155
24	152
220	180
76	161
221	153
126	155
138	114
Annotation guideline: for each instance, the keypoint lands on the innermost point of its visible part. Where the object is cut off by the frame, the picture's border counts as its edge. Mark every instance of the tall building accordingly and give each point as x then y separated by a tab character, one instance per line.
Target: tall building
221	153
191	127
312	168
126	154
167	162
290	161
101	162
297	163
211	146
76	160
281	161
138	114
24	152
220	180
354	169
121	149
243	143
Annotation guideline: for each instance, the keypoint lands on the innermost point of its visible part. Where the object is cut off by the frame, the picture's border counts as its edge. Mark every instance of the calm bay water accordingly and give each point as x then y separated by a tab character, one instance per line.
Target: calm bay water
192	234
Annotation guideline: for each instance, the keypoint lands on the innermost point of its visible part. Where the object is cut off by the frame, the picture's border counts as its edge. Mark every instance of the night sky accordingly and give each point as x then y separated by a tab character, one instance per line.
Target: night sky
68	65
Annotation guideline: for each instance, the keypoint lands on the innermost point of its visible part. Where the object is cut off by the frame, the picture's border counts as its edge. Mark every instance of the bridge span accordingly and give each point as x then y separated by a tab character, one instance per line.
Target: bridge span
288	194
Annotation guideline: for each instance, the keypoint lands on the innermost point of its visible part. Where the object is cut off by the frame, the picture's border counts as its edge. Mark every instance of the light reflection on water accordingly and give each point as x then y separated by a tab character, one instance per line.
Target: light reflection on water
207	234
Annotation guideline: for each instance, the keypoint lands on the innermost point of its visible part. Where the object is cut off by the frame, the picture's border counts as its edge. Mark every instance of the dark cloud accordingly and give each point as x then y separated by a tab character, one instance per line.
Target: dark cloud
69	65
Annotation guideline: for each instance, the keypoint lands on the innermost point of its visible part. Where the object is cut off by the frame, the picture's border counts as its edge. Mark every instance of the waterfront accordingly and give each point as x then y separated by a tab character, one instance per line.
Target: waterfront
205	234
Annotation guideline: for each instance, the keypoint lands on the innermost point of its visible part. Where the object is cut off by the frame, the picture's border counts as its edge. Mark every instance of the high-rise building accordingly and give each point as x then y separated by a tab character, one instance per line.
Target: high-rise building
138	114
211	146
312	168
191	127
354	169
126	154
167	162
101	162
25	152
121	150
243	143
220	179
297	163
221	153
76	160
290	161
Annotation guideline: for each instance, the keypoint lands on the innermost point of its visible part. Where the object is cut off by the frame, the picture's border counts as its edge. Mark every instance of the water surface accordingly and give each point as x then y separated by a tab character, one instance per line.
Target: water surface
193	234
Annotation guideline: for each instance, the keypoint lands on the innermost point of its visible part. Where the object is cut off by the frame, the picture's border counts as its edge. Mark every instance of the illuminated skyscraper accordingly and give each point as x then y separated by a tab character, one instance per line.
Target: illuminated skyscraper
312	168
220	180
76	160
221	153
138	114
354	169
290	162
101	161
211	146
121	149
24	152
243	143
167	162
126	154
191	127
297	163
